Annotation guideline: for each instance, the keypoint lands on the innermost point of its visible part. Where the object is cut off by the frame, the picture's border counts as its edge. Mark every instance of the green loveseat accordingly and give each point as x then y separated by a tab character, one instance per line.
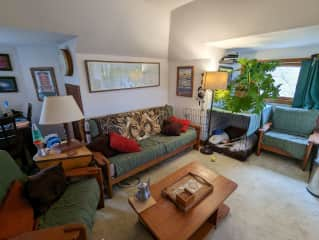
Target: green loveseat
155	146
286	131
78	203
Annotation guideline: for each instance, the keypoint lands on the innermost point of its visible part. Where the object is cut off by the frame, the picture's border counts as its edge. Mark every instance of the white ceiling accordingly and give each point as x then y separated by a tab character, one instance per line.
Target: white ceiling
298	37
169	4
10	36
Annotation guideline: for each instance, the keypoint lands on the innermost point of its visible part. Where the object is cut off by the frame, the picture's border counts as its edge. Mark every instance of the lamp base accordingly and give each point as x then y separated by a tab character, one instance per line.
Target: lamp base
67	146
206	149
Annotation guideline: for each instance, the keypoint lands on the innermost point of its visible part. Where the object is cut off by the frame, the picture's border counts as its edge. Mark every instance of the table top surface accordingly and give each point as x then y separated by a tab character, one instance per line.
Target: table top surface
166	221
79	152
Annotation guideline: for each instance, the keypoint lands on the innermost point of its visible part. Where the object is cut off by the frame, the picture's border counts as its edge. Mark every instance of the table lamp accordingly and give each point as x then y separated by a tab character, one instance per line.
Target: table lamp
61	110
213	81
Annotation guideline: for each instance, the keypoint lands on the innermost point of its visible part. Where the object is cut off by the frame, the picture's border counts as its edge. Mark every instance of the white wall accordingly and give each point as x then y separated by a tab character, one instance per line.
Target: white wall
103	103
16	100
38	56
297	52
202	21
200	66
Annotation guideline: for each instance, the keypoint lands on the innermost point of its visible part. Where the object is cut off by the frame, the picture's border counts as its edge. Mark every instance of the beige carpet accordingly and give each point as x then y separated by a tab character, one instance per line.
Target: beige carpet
271	201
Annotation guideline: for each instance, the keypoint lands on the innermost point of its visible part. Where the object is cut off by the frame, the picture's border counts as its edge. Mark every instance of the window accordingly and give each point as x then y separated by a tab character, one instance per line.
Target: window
287	76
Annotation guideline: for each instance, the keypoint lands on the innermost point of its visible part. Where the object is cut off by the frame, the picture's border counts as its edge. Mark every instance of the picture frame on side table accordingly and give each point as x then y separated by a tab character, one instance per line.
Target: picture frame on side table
185	81
44	82
8	84
5	62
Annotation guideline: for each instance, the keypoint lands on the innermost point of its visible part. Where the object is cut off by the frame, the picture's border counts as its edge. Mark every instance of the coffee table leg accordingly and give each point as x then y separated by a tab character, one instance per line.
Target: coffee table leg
219	214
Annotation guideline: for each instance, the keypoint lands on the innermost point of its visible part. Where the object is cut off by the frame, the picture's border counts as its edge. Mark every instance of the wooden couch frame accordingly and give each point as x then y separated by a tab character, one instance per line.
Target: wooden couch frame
105	163
279	151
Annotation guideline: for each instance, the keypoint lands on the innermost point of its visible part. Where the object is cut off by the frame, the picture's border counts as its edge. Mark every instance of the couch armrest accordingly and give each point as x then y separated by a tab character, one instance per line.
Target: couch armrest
265	128
198	130
314	138
90	172
65	232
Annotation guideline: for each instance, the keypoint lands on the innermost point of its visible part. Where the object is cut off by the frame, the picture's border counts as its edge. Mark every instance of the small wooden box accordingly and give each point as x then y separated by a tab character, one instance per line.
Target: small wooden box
185	198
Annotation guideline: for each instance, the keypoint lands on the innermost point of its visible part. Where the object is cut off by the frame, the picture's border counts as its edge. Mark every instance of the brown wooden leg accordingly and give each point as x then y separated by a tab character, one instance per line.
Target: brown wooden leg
259	145
307	155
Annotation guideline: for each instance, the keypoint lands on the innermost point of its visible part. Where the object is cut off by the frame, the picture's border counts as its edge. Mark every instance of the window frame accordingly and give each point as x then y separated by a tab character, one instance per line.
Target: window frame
284	62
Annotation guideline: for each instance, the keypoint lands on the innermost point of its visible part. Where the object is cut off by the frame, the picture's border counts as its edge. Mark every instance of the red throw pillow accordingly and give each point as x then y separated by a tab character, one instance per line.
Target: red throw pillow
16	214
184	122
123	144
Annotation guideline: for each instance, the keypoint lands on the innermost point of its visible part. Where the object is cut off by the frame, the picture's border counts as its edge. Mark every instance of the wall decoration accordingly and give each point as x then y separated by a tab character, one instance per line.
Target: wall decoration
185	81
8	84
66	61
44	82
110	75
5	62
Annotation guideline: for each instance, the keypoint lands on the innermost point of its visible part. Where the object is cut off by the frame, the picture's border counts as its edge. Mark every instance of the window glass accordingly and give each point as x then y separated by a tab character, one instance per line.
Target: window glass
287	76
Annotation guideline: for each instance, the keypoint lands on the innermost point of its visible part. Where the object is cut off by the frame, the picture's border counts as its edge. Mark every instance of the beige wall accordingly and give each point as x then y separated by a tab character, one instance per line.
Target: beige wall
103	103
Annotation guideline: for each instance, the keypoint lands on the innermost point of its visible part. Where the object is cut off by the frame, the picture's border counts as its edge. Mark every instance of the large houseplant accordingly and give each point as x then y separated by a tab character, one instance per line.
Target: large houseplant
252	87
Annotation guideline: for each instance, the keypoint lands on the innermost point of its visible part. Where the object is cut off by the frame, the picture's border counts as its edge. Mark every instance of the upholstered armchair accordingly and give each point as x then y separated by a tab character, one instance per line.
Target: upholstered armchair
70	217
287	131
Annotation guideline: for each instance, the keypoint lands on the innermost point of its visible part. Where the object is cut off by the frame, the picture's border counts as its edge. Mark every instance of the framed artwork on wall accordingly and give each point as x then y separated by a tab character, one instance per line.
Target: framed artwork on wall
44	82
116	75
8	84
185	81
5	62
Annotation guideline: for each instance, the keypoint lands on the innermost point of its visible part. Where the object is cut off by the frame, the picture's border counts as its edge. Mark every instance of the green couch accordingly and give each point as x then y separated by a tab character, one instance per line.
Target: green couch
155	146
77	204
286	132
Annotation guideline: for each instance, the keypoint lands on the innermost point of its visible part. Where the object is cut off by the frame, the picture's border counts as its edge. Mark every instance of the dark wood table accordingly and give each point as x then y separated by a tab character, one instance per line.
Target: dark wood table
165	221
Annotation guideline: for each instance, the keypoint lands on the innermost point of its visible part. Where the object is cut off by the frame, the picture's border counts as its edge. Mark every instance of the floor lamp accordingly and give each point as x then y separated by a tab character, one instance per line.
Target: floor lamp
213	81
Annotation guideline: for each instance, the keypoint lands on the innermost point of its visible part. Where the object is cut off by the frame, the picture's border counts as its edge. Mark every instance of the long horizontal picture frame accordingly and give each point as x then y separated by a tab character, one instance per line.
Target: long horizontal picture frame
117	75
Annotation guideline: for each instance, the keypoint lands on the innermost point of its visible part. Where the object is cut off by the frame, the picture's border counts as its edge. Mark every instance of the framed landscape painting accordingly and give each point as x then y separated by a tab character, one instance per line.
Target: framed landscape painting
110	75
5	62
185	81
8	84
44	82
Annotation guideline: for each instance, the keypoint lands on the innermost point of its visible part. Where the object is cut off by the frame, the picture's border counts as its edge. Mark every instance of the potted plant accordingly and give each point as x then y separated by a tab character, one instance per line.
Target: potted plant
252	87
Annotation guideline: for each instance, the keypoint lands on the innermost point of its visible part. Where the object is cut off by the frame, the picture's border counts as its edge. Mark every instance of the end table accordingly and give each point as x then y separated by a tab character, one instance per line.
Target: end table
77	158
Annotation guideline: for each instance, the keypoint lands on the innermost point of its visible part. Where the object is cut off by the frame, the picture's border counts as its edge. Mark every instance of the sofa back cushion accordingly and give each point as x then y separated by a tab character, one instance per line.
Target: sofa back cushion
138	125
9	171
295	121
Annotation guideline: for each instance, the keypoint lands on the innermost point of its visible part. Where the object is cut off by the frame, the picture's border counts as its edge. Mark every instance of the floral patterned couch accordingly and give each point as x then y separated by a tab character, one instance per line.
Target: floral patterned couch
145	127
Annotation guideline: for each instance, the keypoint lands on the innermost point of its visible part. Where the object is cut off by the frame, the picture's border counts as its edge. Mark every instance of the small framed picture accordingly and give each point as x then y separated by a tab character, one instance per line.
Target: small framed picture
185	81
5	62
8	84
44	82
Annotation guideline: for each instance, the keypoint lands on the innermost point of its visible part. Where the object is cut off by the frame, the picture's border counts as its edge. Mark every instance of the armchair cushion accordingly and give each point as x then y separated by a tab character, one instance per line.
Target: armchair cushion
295	145
16	214
294	121
77	205
44	188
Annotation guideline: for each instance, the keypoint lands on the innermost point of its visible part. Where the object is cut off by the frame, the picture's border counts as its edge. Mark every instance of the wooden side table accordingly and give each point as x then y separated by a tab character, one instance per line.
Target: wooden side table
77	158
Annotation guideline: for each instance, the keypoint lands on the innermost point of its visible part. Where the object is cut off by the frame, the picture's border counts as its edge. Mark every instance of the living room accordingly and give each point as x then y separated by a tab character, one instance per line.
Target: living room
107	107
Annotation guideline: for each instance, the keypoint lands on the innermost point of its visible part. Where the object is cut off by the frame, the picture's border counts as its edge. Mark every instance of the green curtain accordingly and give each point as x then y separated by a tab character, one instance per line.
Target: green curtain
307	89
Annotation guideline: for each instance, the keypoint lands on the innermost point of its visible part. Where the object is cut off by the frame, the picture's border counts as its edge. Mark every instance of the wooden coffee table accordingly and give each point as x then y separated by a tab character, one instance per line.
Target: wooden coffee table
165	221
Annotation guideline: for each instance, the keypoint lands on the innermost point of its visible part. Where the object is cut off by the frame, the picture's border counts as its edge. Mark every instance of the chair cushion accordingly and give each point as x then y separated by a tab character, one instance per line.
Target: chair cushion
9	171
77	205
184	122
152	147
288	120
45	187
171	128
16	213
292	144
128	161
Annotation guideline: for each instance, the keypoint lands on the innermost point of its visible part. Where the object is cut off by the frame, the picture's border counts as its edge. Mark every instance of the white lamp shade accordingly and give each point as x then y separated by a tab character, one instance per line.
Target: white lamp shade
215	80
59	109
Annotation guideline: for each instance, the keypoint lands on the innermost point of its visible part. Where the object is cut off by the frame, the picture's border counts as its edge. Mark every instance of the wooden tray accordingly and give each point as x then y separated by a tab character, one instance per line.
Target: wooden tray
188	191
